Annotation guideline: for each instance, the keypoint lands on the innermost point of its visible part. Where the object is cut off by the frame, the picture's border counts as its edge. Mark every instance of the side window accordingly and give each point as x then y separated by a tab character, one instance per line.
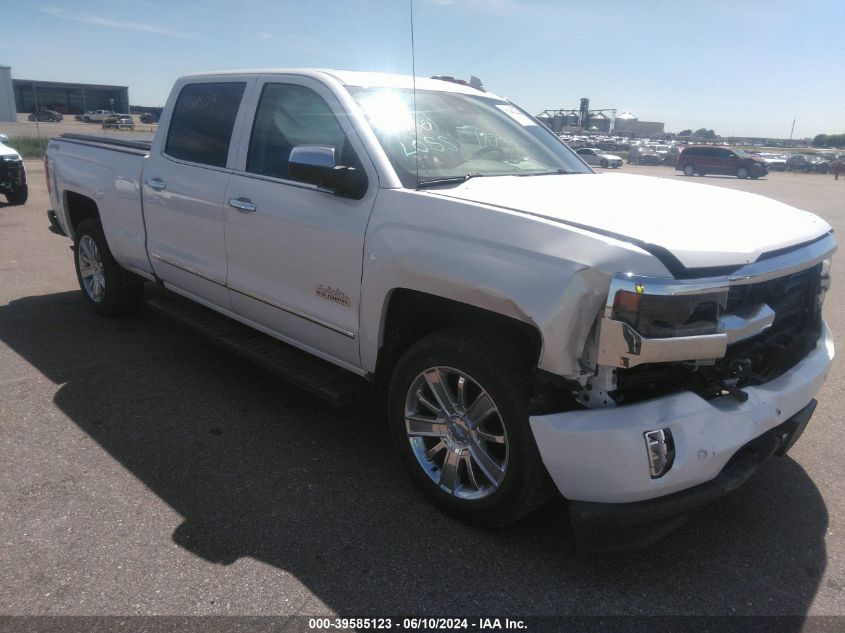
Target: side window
582	152
289	115
724	153
202	122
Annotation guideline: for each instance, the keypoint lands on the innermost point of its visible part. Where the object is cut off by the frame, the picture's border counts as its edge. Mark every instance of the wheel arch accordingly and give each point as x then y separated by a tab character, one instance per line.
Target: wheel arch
79	207
408	315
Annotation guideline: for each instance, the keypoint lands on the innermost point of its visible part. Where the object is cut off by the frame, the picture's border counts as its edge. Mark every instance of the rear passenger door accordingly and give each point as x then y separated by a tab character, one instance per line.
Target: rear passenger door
296	251
184	186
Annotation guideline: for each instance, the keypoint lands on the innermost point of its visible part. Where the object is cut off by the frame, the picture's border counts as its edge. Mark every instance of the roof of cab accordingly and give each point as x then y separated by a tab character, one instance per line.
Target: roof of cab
357	78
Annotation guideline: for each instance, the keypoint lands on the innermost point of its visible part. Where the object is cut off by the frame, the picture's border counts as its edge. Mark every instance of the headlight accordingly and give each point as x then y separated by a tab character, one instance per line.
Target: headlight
665	316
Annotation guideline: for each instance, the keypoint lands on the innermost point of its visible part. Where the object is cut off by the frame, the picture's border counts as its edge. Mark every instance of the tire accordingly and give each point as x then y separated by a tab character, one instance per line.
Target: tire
603	163
107	288
689	169
742	173
755	177
496	379
18	196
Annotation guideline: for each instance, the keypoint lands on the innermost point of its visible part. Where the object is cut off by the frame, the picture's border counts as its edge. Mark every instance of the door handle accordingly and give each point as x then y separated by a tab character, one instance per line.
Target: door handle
157	184
244	205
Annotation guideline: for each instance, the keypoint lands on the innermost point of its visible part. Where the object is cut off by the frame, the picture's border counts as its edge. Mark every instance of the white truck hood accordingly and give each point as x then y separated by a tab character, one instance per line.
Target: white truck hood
702	226
5	150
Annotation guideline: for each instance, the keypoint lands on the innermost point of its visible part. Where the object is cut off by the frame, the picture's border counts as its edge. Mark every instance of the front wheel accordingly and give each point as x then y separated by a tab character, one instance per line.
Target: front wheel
458	415
742	172
603	163
107	288
689	170
19	195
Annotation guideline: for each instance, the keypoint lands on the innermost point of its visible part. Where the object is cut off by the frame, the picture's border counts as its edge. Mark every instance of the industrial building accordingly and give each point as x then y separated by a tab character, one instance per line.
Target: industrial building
602	121
628	125
7	96
29	95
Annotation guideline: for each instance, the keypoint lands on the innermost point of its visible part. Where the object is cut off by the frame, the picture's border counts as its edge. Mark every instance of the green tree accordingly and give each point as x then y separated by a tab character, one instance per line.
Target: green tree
685	133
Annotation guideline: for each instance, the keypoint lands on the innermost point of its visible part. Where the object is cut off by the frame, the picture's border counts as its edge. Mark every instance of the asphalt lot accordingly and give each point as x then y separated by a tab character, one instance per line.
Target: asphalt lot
144	472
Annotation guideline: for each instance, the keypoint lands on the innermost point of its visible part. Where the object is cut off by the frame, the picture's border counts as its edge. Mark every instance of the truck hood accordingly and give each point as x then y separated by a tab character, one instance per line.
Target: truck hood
5	150
703	226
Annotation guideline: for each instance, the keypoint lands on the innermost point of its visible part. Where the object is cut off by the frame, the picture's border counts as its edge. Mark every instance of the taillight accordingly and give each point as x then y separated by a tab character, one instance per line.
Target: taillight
47	174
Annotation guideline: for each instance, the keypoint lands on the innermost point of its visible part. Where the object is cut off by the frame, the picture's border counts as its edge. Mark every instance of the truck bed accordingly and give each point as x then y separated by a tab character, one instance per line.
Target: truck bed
133	145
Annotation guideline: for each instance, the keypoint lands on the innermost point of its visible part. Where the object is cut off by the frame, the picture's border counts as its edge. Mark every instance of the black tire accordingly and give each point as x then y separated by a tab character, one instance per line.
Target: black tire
689	169
502	369
123	292
19	195
742	173
603	163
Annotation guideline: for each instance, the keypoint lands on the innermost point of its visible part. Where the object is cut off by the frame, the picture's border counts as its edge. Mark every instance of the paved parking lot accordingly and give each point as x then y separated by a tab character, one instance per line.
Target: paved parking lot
145	472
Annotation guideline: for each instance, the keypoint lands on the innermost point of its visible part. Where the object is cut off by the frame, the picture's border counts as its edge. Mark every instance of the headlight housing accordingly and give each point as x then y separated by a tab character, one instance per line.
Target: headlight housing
666	316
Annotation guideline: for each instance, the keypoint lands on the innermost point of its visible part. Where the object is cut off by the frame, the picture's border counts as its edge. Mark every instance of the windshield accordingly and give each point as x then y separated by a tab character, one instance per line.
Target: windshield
741	153
460	136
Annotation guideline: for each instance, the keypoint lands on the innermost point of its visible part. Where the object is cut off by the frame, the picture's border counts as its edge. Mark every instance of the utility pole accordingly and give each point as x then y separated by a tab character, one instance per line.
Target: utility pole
791	131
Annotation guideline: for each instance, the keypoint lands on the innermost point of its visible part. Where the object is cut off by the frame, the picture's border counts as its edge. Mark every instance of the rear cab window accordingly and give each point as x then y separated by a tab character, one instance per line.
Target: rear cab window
202	122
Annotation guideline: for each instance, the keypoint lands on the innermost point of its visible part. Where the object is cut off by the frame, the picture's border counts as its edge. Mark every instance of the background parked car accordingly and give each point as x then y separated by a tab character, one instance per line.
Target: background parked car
45	115
149	117
775	162
598	157
12	174
711	159
644	156
97	116
119	121
807	162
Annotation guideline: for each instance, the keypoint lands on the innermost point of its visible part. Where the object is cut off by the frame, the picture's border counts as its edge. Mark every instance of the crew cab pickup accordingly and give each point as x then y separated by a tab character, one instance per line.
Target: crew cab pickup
641	344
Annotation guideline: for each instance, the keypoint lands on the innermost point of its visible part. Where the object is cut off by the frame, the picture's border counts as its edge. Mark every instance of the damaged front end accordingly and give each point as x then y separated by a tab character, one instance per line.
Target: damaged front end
711	336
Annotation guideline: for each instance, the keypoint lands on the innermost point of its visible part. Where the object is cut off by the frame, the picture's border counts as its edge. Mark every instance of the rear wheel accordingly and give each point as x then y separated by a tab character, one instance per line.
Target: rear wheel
689	170
458	415
107	288
19	195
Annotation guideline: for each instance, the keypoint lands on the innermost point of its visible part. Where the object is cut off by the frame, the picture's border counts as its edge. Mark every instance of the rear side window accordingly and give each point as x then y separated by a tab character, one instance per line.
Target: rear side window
202	122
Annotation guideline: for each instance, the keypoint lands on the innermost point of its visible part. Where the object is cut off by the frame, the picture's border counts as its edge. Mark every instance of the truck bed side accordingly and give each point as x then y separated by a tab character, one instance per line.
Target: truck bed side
93	170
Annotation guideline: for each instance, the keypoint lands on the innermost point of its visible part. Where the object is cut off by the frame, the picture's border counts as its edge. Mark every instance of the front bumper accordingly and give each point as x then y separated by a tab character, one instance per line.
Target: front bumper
599	455
616	526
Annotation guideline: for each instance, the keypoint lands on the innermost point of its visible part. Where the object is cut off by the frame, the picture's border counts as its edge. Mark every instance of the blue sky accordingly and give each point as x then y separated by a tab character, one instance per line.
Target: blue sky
746	67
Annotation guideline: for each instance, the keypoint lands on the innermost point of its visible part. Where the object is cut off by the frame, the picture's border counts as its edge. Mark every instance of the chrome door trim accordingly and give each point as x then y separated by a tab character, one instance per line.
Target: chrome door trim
187	269
265	300
293	311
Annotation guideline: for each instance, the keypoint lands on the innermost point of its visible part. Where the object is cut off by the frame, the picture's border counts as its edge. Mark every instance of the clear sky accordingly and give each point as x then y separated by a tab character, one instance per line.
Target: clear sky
739	67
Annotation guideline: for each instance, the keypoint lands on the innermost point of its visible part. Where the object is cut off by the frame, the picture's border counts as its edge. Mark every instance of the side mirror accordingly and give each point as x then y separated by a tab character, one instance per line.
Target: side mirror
315	164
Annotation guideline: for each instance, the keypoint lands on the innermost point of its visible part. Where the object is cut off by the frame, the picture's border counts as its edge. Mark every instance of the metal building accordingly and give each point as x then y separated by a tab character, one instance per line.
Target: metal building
7	97
68	98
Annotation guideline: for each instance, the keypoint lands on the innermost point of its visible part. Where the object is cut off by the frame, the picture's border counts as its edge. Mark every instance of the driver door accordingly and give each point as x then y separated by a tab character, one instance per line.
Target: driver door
295	252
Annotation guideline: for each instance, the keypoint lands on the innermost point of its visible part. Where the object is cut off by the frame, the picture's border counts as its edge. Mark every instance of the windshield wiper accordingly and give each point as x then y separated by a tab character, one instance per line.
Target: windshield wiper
452	180
553	172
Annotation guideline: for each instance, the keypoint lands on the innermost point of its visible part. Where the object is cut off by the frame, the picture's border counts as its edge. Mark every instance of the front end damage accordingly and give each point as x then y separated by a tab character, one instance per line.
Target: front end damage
712	336
680	376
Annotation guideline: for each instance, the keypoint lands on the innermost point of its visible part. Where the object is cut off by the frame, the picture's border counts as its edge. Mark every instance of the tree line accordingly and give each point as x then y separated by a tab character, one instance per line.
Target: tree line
829	140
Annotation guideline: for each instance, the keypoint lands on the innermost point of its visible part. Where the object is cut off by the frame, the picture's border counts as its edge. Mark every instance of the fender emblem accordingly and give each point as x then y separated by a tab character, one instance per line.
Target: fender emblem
333	294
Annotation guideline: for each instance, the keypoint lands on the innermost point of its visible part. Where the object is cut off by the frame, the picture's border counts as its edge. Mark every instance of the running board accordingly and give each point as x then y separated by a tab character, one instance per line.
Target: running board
328	382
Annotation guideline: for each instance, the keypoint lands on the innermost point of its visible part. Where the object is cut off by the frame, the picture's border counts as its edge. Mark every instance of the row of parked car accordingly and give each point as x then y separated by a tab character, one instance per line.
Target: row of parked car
711	159
108	118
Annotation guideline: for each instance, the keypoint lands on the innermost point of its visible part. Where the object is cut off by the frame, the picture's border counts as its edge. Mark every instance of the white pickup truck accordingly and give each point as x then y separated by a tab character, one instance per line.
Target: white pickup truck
643	344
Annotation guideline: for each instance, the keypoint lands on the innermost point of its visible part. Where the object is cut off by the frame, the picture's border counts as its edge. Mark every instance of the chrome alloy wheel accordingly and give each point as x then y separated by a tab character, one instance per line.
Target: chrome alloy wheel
456	433
91	268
